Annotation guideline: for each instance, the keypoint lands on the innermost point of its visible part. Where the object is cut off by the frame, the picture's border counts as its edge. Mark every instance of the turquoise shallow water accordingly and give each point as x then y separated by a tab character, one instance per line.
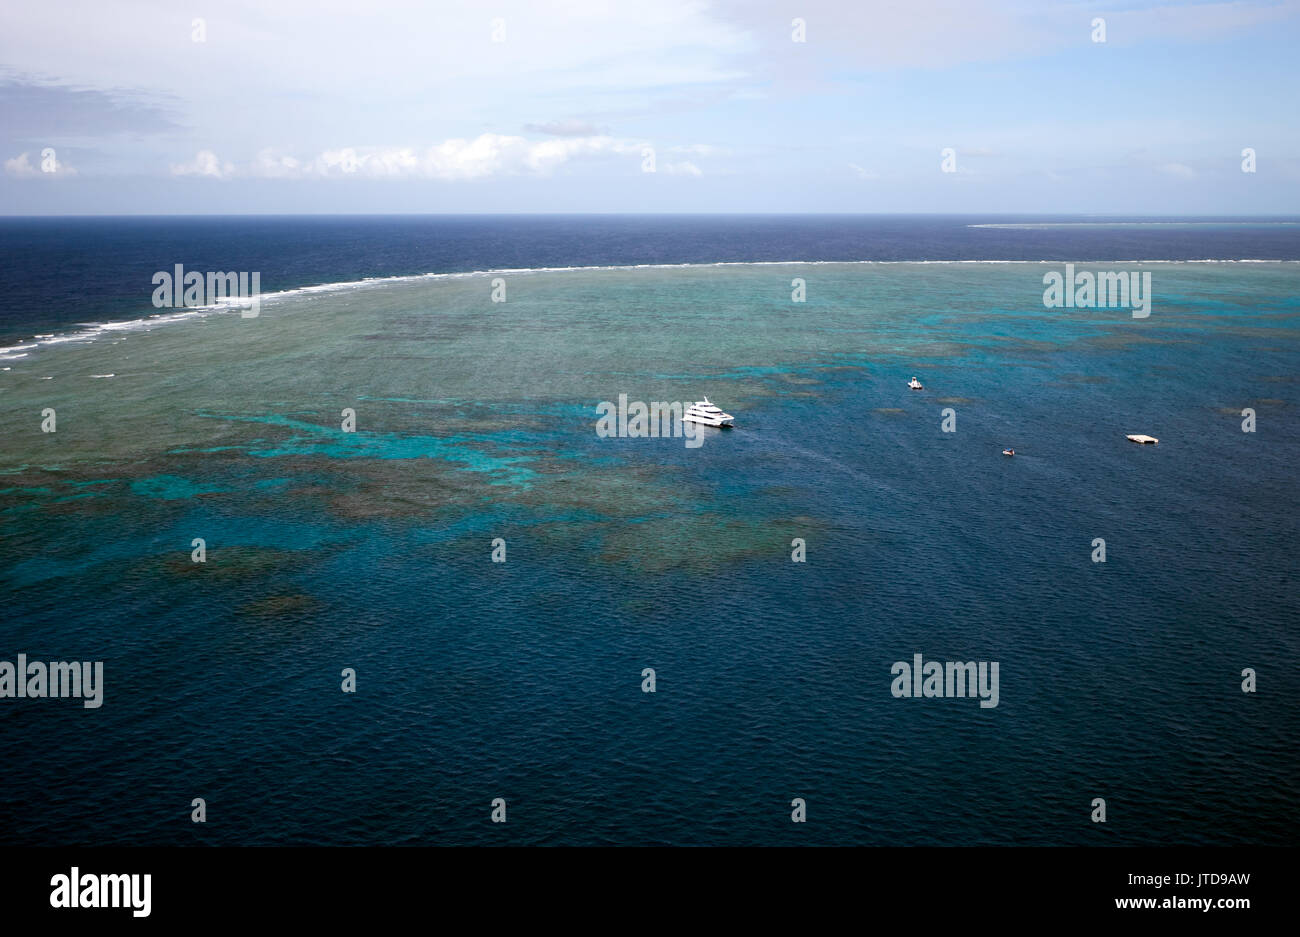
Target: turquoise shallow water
475	420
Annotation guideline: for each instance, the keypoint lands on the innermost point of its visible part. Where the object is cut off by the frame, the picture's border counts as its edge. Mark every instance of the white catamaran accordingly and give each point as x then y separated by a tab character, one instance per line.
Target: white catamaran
704	412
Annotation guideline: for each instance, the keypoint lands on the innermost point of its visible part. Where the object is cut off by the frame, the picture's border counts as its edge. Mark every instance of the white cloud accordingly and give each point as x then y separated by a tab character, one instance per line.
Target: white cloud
486	155
863	173
684	168
205	163
21	167
1178	170
268	164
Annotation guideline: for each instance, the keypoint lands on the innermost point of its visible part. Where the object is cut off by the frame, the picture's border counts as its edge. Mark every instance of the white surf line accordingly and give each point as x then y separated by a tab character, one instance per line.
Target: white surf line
94	330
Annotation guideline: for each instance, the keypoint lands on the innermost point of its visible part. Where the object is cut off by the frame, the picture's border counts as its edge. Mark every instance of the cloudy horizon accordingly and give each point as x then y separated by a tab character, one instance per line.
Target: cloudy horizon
935	106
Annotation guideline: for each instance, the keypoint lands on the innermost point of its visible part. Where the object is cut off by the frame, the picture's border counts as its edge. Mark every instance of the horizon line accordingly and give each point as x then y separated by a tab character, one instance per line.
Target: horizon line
656	214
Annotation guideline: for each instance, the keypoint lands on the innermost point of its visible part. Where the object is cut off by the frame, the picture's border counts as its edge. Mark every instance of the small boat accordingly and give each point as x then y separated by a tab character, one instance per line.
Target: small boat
706	413
915	384
1143	438
1008	452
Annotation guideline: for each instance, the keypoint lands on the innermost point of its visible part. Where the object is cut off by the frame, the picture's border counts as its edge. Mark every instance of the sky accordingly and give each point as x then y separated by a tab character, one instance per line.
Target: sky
949	106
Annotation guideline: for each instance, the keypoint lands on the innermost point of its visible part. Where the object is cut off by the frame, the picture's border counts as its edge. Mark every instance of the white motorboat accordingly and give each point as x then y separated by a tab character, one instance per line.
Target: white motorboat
704	412
915	384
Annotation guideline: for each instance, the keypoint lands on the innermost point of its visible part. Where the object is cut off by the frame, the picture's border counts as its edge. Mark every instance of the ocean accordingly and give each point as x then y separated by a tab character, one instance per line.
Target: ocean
473	354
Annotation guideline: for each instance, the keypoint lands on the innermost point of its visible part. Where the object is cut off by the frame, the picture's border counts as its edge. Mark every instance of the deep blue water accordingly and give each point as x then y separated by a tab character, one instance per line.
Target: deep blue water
1118	680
